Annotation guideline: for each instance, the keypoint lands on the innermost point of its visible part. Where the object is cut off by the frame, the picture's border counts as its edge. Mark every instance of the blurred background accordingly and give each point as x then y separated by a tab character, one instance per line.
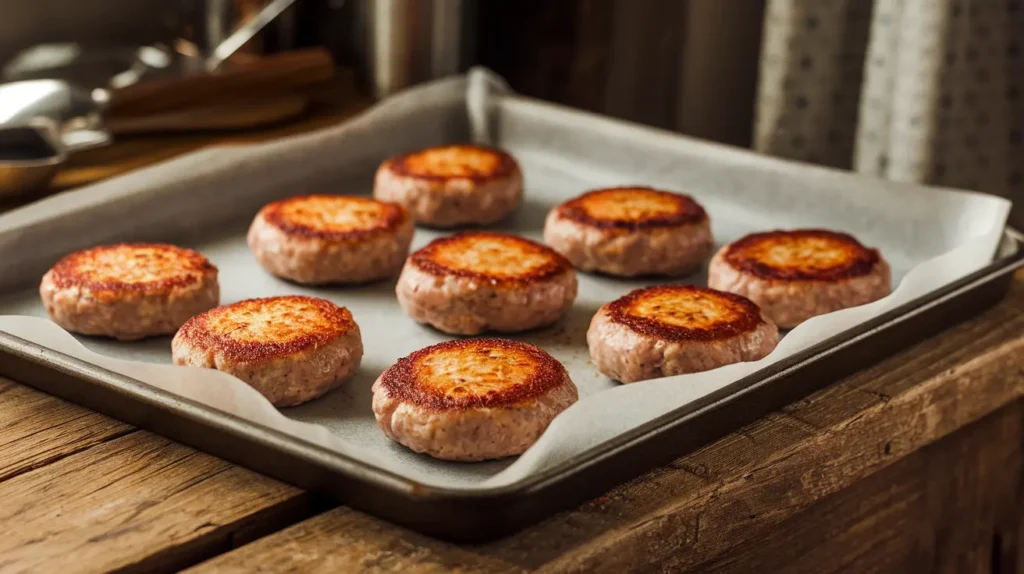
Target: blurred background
911	90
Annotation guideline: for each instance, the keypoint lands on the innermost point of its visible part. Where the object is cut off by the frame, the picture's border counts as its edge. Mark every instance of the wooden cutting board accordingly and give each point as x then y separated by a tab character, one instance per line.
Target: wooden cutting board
243	113
325	105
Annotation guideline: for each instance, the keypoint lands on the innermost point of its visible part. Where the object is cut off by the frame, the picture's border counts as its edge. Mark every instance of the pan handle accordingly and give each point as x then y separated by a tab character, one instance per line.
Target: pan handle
239	37
83	133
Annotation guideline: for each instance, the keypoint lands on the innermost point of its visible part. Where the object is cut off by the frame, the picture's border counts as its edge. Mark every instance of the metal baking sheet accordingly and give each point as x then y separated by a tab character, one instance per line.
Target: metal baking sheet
935	240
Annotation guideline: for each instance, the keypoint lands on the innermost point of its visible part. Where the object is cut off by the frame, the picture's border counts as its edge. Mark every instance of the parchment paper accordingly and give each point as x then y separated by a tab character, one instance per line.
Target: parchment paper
930	236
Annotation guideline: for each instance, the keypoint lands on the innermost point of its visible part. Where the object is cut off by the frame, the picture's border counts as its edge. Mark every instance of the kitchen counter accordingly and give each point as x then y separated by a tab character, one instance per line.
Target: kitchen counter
914	464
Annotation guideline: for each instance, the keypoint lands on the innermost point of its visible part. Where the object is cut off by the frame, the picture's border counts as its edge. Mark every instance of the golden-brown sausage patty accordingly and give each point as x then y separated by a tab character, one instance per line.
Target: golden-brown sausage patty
675	329
318	239
632	208
291	349
449	186
630	231
805	254
796	275
472	399
456	162
496	258
129	290
474	282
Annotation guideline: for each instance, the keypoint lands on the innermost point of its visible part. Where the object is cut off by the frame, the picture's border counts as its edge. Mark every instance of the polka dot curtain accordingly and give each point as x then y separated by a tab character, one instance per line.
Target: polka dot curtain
911	90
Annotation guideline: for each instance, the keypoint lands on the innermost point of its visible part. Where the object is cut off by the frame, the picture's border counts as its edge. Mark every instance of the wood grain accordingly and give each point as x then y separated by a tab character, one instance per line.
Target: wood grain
737	489
645	50
344	540
950	507
139	502
687	66
243	113
287	72
37	429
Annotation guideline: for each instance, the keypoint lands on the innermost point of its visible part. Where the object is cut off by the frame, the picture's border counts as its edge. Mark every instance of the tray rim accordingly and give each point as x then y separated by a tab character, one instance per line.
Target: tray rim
511	506
139	391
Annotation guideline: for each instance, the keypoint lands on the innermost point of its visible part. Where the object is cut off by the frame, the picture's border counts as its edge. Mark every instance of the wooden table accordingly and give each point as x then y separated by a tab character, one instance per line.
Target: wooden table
913	465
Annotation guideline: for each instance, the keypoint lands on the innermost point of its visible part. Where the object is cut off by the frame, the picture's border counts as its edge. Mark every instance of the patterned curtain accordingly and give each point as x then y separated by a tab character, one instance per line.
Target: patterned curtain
911	90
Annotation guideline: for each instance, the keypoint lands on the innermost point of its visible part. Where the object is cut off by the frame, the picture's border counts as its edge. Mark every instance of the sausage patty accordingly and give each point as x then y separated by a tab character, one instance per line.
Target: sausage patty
452	185
473	282
796	275
472	399
129	290
318	239
630	231
291	349
676	329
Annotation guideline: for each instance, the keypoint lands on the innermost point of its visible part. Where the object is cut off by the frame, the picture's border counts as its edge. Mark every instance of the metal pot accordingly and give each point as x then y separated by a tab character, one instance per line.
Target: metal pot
404	42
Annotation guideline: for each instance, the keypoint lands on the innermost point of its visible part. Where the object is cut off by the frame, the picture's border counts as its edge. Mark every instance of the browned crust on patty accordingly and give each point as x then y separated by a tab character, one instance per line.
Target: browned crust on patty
309	216
844	256
405	380
465	161
300	323
739	314
632	208
434	258
123	268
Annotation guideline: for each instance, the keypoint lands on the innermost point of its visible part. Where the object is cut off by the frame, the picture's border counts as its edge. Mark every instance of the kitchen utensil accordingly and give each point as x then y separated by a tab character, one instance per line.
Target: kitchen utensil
87	68
29	158
31	154
42	121
412	41
108	67
245	32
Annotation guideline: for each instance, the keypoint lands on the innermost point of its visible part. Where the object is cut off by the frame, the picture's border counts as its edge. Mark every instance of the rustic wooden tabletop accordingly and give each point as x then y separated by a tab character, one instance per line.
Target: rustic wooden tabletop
915	464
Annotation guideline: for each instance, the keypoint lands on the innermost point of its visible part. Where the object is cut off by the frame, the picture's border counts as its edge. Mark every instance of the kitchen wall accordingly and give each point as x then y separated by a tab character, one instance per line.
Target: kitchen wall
687	65
98	22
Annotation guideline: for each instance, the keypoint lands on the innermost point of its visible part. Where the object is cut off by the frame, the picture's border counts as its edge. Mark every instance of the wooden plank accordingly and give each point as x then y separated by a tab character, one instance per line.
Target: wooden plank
645	45
138	502
948	507
344	540
741	487
557	51
710	104
642	60
37	429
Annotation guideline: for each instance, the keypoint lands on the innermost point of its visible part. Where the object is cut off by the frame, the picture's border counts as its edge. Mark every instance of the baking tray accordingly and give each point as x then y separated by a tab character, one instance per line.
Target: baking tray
195	201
